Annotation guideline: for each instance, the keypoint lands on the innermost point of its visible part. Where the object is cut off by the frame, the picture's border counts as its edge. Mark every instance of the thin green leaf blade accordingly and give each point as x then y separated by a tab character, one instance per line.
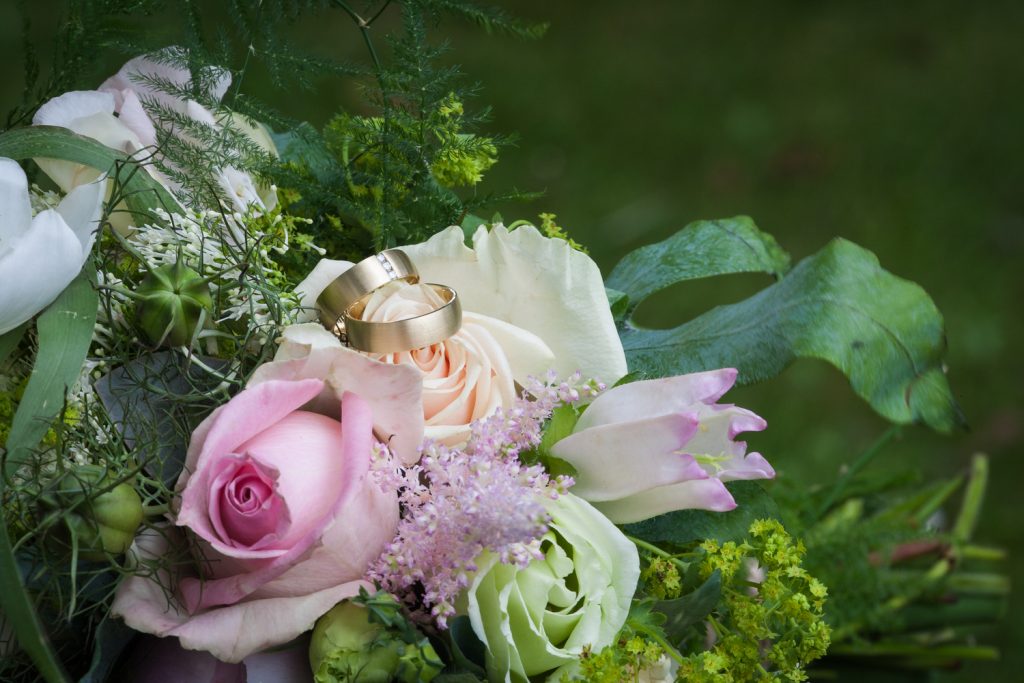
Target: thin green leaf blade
701	249
141	191
65	331
839	306
18	611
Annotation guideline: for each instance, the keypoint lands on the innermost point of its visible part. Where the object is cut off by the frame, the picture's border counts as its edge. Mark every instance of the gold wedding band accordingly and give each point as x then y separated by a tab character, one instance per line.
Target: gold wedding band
363	278
404	335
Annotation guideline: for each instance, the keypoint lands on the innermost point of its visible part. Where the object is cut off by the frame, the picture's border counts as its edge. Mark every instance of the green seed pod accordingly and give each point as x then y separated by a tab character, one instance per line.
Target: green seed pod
101	524
169	304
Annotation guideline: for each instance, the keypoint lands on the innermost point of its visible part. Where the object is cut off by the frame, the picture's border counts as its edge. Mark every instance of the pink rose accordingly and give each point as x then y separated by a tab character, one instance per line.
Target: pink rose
279	502
646	448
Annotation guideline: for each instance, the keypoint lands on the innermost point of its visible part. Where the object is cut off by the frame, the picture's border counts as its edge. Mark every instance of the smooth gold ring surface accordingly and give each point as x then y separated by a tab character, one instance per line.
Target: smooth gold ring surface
404	335
363	278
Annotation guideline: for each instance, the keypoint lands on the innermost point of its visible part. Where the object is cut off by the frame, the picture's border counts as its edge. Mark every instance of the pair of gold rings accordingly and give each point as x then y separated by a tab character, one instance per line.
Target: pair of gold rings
344	301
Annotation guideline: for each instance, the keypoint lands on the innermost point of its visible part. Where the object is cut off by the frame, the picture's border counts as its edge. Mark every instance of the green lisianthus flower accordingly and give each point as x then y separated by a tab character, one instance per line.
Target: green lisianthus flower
536	621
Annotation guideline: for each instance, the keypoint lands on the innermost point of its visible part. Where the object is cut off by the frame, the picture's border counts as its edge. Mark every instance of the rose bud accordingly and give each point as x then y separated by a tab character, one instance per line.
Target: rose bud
170	304
102	524
348	647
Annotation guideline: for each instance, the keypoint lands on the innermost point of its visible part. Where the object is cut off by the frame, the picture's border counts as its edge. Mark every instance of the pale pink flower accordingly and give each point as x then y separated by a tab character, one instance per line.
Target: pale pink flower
650	447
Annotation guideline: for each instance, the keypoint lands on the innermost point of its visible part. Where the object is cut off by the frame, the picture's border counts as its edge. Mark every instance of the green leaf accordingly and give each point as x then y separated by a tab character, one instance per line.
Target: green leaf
19	613
618	302
839	306
468	652
141	191
686	526
65	331
684	612
701	249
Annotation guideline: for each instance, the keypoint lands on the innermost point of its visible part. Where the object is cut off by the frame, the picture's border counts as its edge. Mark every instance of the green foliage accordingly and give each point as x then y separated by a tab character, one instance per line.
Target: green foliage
768	627
701	249
839	306
65	331
139	190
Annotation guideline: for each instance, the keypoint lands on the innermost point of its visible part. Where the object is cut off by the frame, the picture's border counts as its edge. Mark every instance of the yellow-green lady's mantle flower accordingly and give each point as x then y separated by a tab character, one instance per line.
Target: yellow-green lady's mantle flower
536	621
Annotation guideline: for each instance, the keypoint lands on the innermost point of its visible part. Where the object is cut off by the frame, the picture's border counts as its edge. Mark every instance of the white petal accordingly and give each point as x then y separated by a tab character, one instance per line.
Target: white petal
298	340
70	107
15	207
527	353
134	116
81	210
698	494
622	459
38	268
539	284
646	398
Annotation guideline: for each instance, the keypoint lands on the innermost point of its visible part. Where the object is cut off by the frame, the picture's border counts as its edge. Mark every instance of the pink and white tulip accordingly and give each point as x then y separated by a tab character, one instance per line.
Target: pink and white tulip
115	115
646	448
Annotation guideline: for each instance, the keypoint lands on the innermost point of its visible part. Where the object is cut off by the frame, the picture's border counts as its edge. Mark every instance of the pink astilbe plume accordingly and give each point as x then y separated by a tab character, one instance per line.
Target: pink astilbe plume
459	502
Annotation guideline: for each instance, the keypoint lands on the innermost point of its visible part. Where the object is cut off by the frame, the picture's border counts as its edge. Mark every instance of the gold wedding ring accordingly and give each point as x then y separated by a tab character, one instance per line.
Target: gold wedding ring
404	335
363	278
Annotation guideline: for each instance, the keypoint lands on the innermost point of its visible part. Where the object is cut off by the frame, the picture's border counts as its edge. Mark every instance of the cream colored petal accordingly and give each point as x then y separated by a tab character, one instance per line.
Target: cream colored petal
539	284
527	353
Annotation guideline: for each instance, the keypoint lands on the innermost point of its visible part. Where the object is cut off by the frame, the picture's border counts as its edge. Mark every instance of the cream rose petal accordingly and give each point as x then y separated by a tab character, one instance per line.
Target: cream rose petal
538	284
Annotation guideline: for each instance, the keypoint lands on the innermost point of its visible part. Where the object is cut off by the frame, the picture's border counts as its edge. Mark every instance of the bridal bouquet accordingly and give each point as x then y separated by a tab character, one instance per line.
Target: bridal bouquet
278	403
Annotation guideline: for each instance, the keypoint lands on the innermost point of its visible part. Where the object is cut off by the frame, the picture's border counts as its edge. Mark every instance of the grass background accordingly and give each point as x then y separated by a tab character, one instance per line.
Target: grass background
896	125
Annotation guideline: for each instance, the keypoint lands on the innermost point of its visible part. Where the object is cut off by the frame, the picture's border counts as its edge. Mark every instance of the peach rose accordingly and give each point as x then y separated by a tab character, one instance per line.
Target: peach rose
530	304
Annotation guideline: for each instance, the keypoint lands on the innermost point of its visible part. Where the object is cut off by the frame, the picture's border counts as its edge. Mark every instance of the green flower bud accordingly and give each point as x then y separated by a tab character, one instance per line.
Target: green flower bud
347	647
101	524
170	304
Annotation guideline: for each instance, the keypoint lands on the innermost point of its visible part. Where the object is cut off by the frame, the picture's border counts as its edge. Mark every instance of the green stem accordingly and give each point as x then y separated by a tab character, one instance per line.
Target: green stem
974	496
859	464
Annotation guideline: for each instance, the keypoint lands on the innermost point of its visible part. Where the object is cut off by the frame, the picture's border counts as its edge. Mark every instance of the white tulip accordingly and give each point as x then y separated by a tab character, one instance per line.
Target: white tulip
40	256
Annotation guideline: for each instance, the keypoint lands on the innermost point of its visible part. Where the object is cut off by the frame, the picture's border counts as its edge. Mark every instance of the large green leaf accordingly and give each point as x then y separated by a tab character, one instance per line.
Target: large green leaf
65	331
701	249
686	526
839	306
141	192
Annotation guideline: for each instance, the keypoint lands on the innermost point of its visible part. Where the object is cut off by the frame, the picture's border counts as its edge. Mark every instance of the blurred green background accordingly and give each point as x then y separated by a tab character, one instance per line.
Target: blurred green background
897	125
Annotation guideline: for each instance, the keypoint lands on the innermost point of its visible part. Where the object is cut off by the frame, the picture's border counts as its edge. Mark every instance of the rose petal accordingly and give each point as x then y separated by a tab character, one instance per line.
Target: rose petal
229	633
539	284
394	392
242	418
